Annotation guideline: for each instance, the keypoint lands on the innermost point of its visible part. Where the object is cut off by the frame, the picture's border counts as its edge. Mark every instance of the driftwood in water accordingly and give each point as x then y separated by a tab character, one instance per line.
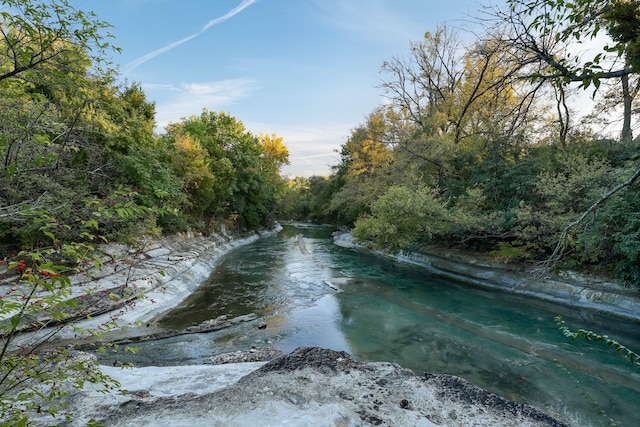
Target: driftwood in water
301	244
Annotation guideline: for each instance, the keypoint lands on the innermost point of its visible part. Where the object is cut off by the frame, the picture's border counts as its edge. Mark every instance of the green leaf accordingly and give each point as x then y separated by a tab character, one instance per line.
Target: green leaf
50	235
15	321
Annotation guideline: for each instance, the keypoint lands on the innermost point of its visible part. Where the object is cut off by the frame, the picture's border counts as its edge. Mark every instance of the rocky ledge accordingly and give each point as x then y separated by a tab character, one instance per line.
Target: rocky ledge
310	386
561	287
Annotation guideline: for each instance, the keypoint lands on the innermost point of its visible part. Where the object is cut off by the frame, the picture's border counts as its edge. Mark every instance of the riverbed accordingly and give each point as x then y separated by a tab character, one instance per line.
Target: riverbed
388	311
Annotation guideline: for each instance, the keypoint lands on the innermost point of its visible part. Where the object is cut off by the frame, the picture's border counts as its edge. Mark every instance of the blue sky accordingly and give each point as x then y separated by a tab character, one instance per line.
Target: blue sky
307	70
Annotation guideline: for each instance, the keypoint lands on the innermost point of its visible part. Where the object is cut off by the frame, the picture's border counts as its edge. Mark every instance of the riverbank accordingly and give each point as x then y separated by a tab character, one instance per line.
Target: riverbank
566	288
196	379
136	284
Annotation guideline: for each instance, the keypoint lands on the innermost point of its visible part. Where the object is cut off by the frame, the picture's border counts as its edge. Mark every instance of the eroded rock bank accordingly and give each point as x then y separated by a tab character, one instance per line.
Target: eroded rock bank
309	387
568	288
135	285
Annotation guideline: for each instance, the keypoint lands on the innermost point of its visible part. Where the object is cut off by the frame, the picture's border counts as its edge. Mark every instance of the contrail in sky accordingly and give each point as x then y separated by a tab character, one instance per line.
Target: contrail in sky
134	64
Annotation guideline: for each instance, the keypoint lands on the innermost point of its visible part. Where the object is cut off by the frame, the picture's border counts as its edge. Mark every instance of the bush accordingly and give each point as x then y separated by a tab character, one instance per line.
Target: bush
402	215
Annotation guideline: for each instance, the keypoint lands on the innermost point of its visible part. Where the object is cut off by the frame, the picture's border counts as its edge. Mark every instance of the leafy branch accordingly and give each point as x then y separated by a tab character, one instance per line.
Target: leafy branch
558	251
589	336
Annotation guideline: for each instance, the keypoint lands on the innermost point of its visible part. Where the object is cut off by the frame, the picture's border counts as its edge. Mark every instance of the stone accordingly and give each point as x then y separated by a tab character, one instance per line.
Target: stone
310	386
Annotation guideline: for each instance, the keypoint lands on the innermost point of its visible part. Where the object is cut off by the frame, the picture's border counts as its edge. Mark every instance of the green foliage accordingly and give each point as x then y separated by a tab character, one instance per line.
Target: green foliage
556	200
308	199
631	356
402	215
146	169
573	22
619	236
508	252
227	172
49	375
42	34
32	378
623	19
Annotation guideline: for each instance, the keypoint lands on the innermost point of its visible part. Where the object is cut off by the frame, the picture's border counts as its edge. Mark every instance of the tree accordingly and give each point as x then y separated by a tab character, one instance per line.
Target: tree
244	169
36	34
546	35
403	215
365	161
423	85
545	32
275	152
492	104
50	75
192	164
275	155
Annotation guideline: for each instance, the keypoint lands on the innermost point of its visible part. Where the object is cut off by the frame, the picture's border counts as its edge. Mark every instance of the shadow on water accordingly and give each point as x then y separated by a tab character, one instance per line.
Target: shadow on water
391	312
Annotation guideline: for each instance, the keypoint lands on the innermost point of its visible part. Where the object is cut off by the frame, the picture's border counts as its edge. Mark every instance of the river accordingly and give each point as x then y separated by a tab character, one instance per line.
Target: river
387	311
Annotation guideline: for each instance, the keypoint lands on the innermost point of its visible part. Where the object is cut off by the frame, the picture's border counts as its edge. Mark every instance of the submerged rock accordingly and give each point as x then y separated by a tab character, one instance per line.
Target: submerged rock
310	386
259	354
301	245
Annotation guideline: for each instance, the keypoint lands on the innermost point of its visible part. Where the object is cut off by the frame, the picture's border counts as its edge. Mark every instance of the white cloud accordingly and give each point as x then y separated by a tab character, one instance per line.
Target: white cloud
139	61
174	102
312	146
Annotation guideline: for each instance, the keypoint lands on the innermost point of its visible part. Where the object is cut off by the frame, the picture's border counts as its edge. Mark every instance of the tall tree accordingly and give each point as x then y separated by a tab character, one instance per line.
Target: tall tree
365	160
38	35
242	167
422	85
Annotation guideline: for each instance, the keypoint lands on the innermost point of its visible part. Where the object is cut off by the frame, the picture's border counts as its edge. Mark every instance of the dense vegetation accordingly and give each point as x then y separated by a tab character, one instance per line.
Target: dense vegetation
479	148
74	140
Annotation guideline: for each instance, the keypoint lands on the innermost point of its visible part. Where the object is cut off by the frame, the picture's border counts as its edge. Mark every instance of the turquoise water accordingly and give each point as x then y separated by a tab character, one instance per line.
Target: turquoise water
387	311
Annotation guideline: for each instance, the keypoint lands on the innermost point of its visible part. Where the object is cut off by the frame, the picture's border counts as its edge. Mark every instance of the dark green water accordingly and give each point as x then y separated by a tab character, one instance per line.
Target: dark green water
390	312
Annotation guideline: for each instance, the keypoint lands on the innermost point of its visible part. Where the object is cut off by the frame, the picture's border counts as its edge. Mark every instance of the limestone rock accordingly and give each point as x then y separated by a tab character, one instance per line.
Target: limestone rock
310	386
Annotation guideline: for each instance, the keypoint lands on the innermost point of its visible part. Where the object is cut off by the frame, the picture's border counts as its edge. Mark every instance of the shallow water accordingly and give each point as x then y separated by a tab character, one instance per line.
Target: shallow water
391	312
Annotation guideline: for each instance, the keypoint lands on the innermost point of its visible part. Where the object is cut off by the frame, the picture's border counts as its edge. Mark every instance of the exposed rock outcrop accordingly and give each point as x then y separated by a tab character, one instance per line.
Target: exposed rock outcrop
258	354
134	286
310	386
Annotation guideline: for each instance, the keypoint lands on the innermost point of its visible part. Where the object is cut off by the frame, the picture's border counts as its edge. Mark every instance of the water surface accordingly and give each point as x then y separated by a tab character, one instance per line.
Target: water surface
387	311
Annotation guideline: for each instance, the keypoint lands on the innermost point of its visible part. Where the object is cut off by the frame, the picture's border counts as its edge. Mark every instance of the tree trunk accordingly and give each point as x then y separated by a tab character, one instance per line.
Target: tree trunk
563	115
627	97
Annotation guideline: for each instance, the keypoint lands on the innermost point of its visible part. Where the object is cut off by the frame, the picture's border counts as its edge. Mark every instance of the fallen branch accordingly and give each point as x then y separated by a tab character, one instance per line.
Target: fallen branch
302	245
559	249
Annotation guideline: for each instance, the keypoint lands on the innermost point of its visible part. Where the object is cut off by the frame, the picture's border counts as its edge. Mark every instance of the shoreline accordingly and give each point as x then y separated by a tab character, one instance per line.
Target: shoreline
569	288
133	287
167	270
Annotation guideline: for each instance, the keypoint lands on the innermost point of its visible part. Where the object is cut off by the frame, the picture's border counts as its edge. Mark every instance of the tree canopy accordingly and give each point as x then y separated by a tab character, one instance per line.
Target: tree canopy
479	147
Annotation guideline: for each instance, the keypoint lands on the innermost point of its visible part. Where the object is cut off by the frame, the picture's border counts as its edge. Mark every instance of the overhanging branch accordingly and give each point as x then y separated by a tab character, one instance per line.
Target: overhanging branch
558	251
